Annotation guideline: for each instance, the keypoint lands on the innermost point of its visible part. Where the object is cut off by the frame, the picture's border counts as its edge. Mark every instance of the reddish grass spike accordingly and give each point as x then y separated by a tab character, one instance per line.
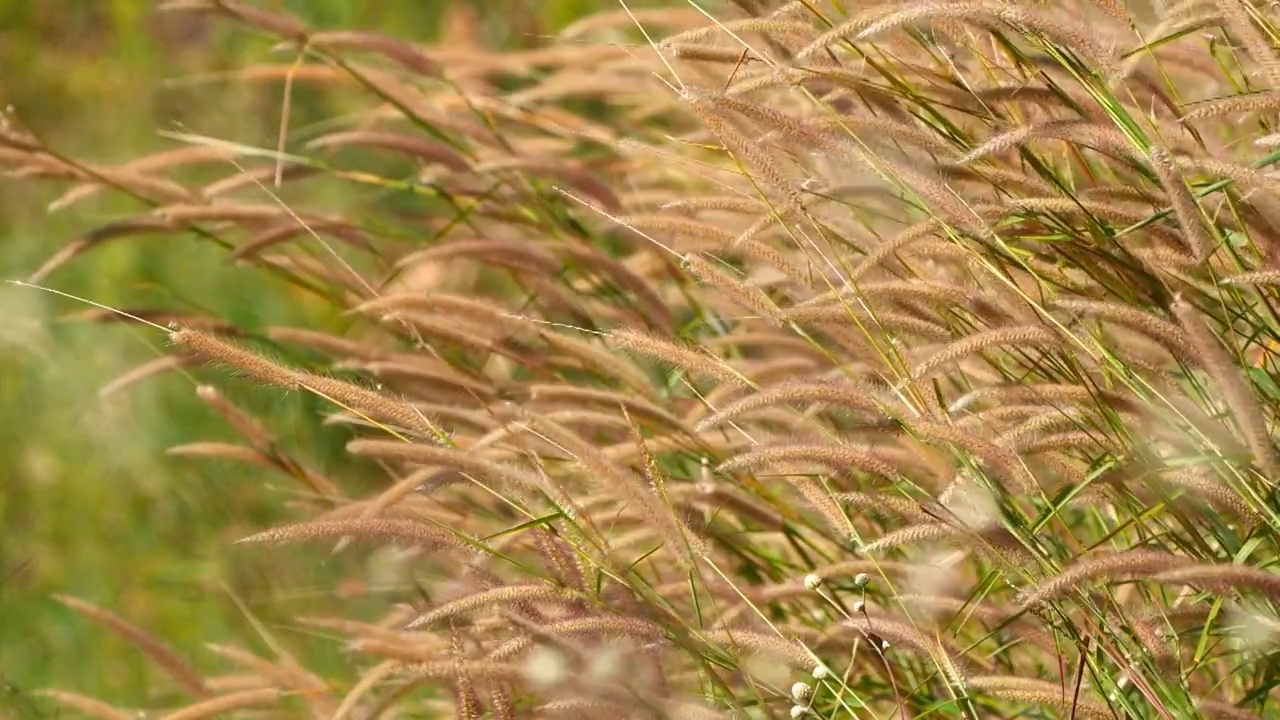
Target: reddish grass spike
822	500
543	592
419	147
254	178
923	532
89	706
285	675
680	540
1162	331
218	705
1225	578
308	228
1260	277
681	356
210	347
149	369
161	654
836	457
131	181
1260	47
357	398
625	18
1233	105
277	23
230	211
248	426
402	52
1236	388
849	395
743	293
601	359
376	529
456	458
646	295
792	652
708	53
596	626
223	451
1107	566
581	178
1029	336
1185	206
1040	692
101	234
324	342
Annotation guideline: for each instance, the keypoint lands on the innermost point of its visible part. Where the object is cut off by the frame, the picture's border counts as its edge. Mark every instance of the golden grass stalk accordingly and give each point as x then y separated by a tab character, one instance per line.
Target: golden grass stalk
841	458
286	674
538	593
89	706
230	702
1235	386
160	653
683	357
1028	336
409	532
1040	692
339	392
1106	566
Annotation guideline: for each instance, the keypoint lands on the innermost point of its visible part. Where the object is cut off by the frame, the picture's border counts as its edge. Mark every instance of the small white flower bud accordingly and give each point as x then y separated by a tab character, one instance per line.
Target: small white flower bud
812	582
821	672
801	691
861	580
798	711
858	606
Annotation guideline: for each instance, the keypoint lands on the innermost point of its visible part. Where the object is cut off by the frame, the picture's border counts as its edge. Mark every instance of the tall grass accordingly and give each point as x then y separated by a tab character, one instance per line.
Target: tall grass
804	358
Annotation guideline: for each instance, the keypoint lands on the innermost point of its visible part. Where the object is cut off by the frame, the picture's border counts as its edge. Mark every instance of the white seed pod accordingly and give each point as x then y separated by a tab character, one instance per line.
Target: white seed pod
801	692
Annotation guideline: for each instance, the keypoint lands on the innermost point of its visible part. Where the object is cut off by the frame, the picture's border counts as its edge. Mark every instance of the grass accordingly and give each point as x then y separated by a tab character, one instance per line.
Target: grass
858	362
91	505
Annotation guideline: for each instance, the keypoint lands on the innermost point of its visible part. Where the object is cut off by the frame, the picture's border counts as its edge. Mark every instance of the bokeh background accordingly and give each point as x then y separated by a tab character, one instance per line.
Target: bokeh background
90	505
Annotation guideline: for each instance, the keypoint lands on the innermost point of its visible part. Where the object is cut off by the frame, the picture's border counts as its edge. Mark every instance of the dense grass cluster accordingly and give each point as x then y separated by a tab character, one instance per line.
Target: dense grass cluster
808	358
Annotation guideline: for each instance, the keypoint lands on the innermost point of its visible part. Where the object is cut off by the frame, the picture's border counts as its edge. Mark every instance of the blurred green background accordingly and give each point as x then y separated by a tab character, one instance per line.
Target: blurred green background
90	505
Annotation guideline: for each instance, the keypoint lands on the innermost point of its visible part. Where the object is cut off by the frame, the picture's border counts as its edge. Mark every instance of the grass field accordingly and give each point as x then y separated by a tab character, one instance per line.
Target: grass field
813	359
90	505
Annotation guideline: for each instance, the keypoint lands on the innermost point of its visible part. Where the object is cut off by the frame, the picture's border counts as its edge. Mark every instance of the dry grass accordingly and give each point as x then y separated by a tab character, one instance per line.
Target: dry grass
934	421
